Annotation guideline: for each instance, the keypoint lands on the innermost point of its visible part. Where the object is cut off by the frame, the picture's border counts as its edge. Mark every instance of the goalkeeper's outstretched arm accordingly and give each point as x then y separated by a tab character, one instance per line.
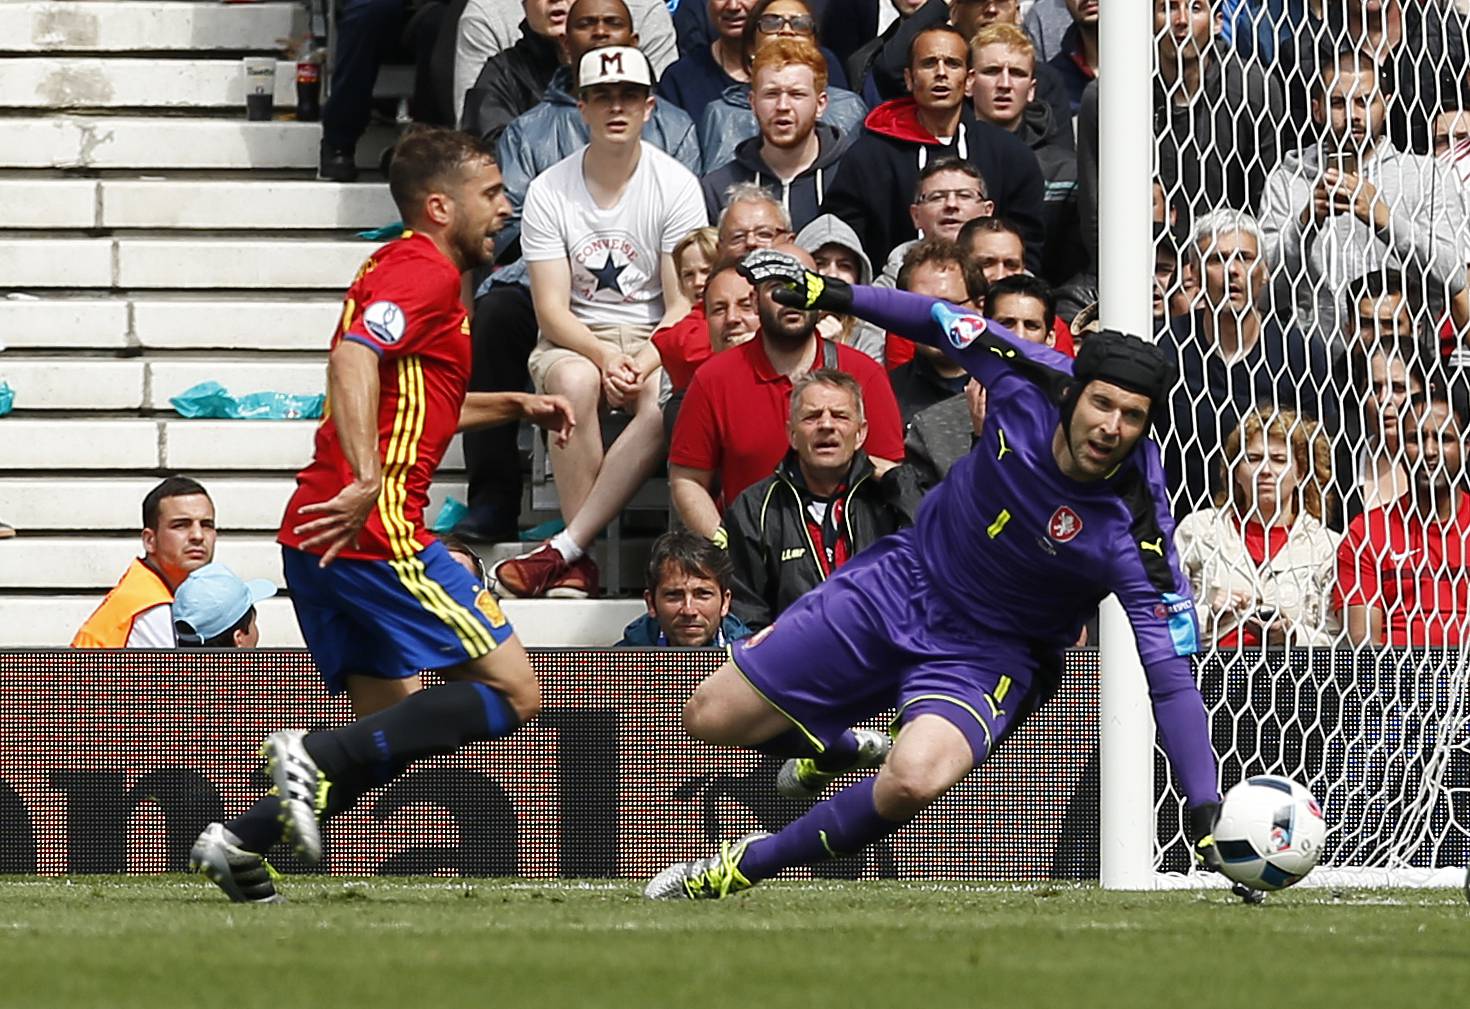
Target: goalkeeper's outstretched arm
981	348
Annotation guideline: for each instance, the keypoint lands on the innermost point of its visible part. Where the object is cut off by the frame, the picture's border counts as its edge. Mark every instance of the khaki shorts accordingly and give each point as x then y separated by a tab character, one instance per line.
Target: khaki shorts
620	337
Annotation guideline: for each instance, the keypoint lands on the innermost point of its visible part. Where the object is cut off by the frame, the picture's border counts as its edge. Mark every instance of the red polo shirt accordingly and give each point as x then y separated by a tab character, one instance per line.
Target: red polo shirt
1411	569
684	346
734	416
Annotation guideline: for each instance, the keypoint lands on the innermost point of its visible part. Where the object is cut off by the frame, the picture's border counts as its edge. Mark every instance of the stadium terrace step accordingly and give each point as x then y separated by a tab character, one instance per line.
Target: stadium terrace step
257	203
186	263
119	83
28	445
167	379
245	323
75	385
76	562
283	445
56	262
47	203
183	143
134	26
70	323
280	205
237	324
39	505
42	621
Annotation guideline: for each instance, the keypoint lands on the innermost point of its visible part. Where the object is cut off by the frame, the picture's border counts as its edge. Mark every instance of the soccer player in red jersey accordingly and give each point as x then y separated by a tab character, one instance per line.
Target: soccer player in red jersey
377	596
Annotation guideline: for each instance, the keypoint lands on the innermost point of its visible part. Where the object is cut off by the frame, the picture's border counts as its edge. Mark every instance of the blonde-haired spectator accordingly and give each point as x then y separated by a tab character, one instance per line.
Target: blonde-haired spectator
1004	60
1262	561
694	257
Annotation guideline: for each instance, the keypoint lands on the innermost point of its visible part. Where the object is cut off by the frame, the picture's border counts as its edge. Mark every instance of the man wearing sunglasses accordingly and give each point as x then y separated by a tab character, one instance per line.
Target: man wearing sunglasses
702	75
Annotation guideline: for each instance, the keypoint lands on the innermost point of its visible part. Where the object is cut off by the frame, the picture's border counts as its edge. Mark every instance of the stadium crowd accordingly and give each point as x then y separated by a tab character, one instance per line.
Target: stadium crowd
1312	245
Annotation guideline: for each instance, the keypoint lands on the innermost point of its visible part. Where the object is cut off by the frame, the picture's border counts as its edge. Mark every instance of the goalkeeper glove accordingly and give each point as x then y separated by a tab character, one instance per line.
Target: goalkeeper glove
801	287
720	538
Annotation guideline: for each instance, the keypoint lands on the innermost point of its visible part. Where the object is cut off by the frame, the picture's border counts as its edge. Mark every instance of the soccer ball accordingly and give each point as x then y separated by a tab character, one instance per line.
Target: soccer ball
1270	832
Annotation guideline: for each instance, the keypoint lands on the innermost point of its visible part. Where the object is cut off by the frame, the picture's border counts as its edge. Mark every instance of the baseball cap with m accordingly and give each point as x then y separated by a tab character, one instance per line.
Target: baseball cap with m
614	65
212	600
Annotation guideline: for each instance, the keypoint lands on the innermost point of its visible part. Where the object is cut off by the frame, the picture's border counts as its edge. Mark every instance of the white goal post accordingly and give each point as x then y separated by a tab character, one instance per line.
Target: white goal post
1387	733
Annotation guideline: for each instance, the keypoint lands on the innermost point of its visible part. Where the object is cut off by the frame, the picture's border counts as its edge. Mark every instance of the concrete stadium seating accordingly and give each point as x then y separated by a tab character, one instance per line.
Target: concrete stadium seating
185	143
137	26
52	620
151	238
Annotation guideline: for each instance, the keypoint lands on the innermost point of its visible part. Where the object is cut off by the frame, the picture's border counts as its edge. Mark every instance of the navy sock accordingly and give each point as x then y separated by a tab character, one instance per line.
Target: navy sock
429	723
259	827
841	825
840	753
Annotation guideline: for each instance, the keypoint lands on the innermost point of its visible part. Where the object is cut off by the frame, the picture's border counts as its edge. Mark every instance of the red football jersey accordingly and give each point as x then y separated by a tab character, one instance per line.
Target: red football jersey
405	305
1410	568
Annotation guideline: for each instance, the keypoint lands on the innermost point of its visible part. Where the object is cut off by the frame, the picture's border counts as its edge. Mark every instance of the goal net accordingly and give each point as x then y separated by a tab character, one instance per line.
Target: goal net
1312	175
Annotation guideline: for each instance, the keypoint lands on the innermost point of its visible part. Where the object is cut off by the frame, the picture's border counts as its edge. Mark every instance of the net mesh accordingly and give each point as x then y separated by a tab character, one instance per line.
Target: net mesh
1311	170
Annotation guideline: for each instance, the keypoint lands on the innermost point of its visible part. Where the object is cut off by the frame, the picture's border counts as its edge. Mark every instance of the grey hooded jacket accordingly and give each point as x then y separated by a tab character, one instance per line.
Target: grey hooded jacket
829	229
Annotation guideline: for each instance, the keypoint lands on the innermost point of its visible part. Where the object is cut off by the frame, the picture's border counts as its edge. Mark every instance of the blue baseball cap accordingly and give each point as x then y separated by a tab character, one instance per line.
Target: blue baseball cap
212	600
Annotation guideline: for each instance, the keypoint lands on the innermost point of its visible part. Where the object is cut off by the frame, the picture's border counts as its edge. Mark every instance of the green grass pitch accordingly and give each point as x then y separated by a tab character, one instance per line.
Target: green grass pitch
173	941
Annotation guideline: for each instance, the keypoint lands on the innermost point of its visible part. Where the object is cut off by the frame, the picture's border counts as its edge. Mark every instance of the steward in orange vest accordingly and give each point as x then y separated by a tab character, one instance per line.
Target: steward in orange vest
178	536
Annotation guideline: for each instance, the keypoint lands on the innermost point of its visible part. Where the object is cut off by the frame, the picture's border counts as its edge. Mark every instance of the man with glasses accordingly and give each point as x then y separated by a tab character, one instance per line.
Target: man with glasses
752	219
949	195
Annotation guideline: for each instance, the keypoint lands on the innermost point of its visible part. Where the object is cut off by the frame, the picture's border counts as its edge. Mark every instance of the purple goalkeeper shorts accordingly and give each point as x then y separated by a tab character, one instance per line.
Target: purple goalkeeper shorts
876	636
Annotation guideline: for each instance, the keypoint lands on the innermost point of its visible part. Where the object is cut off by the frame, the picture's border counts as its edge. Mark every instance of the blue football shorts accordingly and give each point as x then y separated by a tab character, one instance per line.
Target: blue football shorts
391	619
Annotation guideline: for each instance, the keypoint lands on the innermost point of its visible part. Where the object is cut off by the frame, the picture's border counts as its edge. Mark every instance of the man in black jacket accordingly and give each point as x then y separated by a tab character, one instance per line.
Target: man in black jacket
824	503
514	80
881	169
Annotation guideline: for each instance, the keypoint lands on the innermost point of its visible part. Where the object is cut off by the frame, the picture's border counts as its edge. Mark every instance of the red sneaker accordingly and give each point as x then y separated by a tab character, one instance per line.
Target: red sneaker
530	575
578	581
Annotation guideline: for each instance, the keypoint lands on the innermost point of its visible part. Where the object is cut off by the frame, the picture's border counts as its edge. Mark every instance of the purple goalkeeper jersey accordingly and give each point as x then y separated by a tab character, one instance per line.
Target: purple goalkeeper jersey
1027	551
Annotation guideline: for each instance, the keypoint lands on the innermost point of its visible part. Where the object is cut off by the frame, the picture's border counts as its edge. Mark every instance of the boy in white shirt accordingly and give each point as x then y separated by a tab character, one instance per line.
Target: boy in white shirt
598	232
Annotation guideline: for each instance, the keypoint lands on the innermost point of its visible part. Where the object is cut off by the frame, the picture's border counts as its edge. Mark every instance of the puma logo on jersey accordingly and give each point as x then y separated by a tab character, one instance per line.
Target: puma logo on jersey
793	554
1156	546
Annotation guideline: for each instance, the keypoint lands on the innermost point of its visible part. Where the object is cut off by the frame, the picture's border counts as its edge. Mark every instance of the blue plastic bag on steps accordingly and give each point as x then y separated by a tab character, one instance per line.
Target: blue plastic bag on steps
211	401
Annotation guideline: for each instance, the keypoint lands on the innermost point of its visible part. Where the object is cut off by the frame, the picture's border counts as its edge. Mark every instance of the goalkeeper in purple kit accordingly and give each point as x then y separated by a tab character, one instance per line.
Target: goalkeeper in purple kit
959	622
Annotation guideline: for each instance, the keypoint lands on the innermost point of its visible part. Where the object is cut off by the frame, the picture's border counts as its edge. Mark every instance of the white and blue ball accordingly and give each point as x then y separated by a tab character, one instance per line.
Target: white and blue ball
1270	832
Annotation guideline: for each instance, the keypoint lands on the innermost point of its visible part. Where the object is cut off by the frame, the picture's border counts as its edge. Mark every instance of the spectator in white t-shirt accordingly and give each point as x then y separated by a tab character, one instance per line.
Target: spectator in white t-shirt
598	233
